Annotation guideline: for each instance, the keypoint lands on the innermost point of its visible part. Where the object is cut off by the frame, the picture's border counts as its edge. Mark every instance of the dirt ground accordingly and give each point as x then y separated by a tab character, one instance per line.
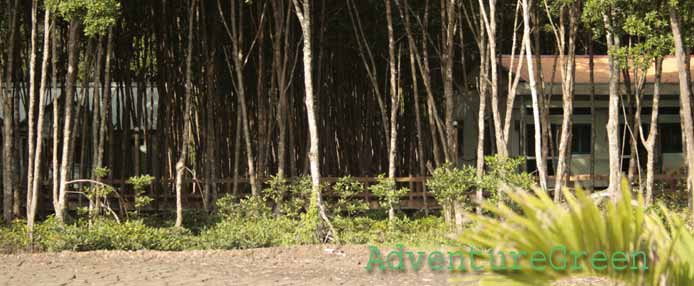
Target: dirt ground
303	265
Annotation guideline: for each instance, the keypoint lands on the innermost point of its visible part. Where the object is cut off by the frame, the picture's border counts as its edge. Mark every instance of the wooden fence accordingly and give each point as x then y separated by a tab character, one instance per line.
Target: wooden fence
417	199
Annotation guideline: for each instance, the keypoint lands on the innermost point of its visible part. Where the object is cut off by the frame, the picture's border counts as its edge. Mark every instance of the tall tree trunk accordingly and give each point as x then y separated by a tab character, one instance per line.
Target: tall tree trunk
421	156
649	140
447	64
304	15
593	119
74	31
237	54
483	83
281	56
210	166
35	178
31	120
394	103
187	121
490	26
55	96
105	120
568	63
533	90
9	182
685	98
613	111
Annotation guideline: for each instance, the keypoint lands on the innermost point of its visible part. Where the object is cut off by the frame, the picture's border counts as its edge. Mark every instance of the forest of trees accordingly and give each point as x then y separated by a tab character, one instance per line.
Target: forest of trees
210	90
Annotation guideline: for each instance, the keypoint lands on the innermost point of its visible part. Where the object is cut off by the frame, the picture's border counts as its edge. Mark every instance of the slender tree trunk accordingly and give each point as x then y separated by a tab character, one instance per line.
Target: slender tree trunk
210	166
55	94
568	64
533	90
649	140
71	79
237	153
31	121
414	59
238	58
187	120
593	119
418	122
9	155
394	102
33	186
105	120
281	58
304	15
447	65
613	112
685	97
483	82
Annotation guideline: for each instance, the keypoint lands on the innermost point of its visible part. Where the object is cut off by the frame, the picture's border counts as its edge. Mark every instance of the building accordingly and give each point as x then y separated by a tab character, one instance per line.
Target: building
669	158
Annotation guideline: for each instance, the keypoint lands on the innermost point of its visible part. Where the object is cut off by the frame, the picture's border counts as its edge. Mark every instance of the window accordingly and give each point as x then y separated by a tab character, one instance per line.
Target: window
531	167
670	137
580	139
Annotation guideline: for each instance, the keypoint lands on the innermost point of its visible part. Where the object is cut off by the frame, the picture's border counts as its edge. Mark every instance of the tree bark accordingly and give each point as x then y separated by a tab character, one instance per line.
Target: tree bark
613	112
71	79
304	15
533	90
187	121
105	120
394	102
568	63
236	40
8	168
682	57
649	140
447	65
35	178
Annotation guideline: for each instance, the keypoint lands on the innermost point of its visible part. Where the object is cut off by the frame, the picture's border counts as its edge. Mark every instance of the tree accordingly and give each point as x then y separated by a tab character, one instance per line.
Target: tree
604	17
682	57
187	124
236	36
9	173
566	44
303	13
31	194
533	91
92	18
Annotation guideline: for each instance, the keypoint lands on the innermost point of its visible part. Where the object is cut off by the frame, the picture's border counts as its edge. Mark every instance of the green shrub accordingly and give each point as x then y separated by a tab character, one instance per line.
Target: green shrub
240	233
387	192
349	200
140	185
425	231
250	207
449	183
277	188
14	237
110	235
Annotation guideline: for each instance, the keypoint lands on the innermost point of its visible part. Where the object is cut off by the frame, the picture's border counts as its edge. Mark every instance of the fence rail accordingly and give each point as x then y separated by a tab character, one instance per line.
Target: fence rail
418	198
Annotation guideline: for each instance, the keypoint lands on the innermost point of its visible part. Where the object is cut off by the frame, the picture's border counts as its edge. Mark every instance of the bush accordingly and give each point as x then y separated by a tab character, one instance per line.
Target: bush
110	235
14	237
449	183
425	231
349	202
240	233
387	192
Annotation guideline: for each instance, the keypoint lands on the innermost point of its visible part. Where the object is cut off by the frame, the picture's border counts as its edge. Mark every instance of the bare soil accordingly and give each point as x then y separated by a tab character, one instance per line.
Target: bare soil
302	265
298	265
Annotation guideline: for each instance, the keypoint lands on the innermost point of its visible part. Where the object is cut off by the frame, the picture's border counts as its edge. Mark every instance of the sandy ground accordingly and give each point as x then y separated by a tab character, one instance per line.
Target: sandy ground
304	265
